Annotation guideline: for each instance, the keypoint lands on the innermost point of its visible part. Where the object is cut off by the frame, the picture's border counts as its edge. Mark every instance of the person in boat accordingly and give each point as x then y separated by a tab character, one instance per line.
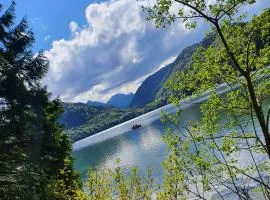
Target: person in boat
136	126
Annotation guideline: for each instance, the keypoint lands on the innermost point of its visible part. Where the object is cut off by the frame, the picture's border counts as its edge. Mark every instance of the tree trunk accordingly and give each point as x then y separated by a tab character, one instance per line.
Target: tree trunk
257	108
259	113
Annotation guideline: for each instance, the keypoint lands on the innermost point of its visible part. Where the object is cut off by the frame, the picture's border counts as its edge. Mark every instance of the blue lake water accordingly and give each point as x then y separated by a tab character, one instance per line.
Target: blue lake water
143	147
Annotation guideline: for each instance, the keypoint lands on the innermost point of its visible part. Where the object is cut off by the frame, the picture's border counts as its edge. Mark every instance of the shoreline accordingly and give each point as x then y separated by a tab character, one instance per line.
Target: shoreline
151	117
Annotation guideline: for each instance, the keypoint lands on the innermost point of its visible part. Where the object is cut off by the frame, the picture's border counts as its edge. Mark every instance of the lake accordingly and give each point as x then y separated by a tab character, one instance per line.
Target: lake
143	147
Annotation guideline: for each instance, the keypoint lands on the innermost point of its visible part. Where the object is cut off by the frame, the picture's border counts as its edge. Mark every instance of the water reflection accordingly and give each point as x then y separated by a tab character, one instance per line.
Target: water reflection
143	147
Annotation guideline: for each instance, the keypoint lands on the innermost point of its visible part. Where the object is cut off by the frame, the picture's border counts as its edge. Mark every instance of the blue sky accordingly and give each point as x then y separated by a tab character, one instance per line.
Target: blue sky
99	48
50	19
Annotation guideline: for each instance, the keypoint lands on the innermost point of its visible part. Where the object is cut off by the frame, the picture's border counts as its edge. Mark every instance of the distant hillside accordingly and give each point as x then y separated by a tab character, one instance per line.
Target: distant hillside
76	114
96	103
153	86
120	100
150	87
81	120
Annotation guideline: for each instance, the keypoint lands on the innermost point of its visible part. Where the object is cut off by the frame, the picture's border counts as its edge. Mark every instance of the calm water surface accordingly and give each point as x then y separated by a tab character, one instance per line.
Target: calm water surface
143	147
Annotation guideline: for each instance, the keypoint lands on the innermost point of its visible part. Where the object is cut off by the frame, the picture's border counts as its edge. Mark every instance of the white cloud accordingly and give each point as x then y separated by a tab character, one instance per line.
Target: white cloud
73	26
113	52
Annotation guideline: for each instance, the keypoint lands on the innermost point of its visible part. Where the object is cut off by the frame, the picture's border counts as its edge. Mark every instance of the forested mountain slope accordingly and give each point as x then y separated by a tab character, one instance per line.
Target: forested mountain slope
153	87
81	120
150	87
120	100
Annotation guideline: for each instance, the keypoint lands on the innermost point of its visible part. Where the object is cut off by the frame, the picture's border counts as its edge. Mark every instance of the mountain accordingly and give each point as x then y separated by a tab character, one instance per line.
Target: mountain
120	100
117	100
82	120
76	114
96	103
152	88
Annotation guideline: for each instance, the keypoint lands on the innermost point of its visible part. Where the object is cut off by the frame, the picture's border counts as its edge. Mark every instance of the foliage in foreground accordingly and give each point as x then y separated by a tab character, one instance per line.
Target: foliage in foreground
228	150
116	183
240	51
35	159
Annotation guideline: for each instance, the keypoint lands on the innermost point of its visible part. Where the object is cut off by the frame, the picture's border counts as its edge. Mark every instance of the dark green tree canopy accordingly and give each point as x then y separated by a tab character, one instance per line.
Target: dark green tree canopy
33	147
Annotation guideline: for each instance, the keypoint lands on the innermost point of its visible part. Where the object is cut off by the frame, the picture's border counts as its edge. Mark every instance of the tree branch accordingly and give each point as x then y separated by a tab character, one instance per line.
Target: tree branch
197	10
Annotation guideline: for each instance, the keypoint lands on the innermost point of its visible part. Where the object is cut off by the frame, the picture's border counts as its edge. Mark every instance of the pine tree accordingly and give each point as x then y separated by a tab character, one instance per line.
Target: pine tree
34	150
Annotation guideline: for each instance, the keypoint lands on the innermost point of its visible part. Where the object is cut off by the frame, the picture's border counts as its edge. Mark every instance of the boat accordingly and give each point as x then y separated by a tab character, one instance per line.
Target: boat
136	126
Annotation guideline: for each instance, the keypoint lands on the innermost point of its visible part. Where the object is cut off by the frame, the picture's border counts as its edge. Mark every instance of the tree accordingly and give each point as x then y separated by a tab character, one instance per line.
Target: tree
117	183
205	154
217	14
33	147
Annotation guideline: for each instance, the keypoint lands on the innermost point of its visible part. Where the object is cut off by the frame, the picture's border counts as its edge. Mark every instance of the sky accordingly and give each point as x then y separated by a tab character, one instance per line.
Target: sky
99	48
